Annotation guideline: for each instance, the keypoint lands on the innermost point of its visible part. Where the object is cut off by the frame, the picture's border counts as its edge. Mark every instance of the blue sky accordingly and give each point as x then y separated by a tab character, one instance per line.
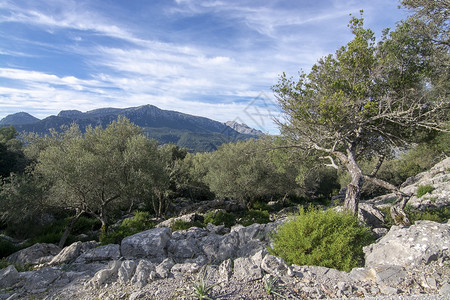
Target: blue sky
216	59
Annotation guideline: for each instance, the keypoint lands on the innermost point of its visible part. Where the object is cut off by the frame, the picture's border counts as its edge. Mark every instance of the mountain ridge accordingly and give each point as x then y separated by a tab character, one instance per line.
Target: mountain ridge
193	132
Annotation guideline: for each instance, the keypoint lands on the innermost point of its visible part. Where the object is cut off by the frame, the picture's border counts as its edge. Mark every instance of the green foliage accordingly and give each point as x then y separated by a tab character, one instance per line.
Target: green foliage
6	248
271	286
12	158
253	216
432	214
20	268
424	189
322	238
220	218
244	171
183	225
138	223
201	288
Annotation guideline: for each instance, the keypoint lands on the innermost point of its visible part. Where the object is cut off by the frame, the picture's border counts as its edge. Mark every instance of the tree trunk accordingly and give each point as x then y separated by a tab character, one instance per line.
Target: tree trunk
68	229
397	209
354	187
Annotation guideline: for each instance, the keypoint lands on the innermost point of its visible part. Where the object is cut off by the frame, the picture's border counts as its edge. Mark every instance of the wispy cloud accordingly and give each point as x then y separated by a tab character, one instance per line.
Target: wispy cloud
209	58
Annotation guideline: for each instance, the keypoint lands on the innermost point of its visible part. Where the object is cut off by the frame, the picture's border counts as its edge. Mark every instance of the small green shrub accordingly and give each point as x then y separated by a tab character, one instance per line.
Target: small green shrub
139	222
424	189
183	225
329	239
85	224
7	248
20	268
253	216
220	218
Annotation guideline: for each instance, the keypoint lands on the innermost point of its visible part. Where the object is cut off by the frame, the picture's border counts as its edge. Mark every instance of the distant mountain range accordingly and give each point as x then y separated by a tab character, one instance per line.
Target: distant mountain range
192	132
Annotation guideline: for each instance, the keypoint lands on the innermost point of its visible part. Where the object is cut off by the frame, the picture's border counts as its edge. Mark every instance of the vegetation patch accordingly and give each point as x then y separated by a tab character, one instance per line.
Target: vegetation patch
183	225
138	223
424	189
322	238
220	218
253	216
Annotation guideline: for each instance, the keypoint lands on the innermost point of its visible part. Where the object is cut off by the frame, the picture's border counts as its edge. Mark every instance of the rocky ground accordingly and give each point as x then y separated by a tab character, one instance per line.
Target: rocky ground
234	264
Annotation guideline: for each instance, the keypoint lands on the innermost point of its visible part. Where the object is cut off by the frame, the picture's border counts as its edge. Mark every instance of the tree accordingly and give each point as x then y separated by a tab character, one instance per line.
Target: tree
244	171
365	101
12	159
98	171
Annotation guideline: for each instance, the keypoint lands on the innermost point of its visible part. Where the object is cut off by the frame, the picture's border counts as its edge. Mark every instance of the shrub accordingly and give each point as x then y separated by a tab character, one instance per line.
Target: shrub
183	225
220	218
6	248
139	222
253	216
329	239
424	189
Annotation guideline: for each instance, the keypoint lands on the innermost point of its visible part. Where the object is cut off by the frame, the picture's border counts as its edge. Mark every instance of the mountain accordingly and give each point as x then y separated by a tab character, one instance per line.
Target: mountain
192	132
243	128
20	118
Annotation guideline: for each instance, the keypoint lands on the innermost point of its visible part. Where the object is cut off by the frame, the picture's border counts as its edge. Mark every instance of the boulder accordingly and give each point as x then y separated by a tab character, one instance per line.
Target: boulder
37	254
163	269
8	276
126	271
103	275
72	252
40	280
102	253
418	244
151	244
245	269
274	265
188	218
145	272
370	215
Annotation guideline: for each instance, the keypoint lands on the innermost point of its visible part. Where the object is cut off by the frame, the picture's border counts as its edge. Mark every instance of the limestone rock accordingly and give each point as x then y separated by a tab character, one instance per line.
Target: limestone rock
225	270
143	273
126	271
418	244
151	244
370	215
274	265
163	269
71	252
103	275
188	218
8	276
102	253
37	254
245	269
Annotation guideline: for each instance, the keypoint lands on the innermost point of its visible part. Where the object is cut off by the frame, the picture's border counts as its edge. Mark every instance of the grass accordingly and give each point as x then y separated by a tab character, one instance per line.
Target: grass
201	288
271	286
424	189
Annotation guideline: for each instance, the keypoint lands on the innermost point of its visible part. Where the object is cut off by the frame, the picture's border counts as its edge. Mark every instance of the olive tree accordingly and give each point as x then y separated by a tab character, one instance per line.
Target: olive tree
244	171
98	170
366	100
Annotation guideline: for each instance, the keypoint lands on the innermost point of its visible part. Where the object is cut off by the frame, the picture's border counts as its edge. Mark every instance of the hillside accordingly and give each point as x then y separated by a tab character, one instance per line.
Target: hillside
192	132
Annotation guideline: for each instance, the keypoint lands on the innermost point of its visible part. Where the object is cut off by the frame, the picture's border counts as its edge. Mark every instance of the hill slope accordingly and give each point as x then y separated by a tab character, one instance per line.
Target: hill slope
193	132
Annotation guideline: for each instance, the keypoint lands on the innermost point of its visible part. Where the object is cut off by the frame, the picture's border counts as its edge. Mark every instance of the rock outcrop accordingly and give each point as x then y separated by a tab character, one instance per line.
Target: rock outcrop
159	264
418	244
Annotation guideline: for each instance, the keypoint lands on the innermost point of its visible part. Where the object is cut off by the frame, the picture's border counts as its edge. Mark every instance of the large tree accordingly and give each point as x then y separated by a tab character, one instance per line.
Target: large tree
366	100
98	170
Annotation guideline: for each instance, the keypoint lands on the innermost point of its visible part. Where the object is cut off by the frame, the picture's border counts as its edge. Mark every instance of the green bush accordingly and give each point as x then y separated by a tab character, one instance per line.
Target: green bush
424	189
329	239
139	222
183	225
6	248
433	214
253	216
220	218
